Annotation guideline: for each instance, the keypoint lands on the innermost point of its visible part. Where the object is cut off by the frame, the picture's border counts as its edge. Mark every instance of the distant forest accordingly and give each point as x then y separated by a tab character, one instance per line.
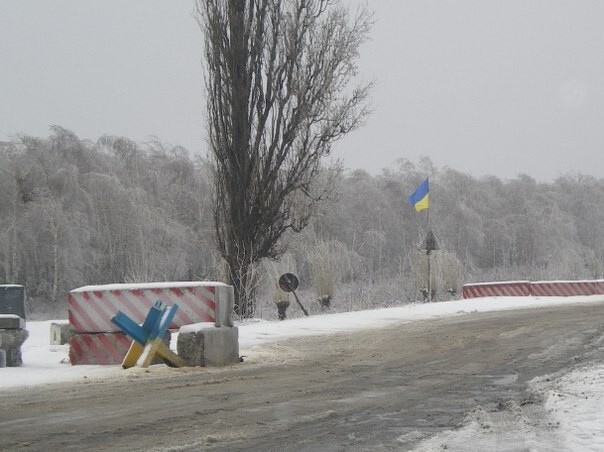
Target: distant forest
75	212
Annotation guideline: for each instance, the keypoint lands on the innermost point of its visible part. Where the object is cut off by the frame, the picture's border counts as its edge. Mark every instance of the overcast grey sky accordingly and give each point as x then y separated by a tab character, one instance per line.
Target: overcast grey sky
483	86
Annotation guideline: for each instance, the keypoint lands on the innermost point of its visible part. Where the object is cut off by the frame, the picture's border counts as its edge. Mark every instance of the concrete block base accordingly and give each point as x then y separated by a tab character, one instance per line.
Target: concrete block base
209	346
10	342
2	358
60	333
11	322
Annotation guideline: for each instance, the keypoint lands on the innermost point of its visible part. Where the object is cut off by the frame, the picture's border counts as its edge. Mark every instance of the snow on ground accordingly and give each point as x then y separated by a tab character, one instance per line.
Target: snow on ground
571	419
573	402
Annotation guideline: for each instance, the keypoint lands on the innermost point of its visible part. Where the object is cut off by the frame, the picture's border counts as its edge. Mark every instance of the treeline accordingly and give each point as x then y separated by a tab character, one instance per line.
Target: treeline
74	212
486	228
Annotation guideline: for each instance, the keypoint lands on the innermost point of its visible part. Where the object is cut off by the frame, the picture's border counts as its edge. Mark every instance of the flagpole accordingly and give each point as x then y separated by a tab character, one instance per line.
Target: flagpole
420	200
428	218
428	256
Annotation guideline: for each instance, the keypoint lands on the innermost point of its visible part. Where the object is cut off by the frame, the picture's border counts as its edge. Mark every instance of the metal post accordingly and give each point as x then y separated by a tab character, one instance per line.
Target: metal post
428	250
429	278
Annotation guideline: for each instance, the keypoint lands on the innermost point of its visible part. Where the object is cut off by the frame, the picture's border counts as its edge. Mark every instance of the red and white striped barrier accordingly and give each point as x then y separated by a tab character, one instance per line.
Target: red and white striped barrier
566	288
103	349
535	289
100	349
598	286
497	289
92	307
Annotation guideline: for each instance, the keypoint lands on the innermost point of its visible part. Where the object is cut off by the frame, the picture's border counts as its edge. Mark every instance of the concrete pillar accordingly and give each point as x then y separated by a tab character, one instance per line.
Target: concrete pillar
60	333
2	358
208	346
10	342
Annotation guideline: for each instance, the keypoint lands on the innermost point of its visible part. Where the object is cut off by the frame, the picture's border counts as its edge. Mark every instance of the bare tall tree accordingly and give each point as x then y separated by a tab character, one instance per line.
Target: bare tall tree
277	79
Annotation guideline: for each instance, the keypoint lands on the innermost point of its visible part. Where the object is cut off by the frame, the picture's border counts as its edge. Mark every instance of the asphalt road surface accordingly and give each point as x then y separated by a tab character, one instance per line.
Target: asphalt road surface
384	389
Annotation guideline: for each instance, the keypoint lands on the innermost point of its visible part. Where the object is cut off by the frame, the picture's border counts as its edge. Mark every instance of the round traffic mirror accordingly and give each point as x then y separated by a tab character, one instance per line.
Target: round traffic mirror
288	282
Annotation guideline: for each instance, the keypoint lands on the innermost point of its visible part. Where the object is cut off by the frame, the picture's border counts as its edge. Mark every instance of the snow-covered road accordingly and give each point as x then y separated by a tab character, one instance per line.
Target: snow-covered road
572	401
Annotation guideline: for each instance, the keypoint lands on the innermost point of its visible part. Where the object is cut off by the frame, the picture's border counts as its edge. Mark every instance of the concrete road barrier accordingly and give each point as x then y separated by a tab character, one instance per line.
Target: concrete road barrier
97	340
103	349
60	333
497	289
208	346
92	307
533	288
11	342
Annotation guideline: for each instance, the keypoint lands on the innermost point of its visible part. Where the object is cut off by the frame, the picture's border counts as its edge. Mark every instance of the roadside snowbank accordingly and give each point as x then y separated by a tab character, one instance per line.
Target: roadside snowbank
567	415
43	363
574	404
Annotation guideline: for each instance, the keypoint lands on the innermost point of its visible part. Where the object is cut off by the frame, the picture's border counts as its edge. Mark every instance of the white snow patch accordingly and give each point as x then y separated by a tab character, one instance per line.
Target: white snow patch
498	283
43	363
9	316
195	327
151	285
575	403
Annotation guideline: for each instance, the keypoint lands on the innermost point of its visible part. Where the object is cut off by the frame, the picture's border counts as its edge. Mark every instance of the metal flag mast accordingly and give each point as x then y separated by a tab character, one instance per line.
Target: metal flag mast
420	200
429	245
429	231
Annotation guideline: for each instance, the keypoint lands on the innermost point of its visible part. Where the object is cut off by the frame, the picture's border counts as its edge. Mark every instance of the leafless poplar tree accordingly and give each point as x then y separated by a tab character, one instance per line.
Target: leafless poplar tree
277	79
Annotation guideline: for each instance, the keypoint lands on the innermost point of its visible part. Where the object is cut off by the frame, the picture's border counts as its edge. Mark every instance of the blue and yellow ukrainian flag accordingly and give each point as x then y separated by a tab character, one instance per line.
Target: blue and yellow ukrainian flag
420	198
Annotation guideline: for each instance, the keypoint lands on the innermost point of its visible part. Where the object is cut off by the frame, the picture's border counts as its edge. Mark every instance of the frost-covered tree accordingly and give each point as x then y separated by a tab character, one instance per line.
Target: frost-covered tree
278	76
